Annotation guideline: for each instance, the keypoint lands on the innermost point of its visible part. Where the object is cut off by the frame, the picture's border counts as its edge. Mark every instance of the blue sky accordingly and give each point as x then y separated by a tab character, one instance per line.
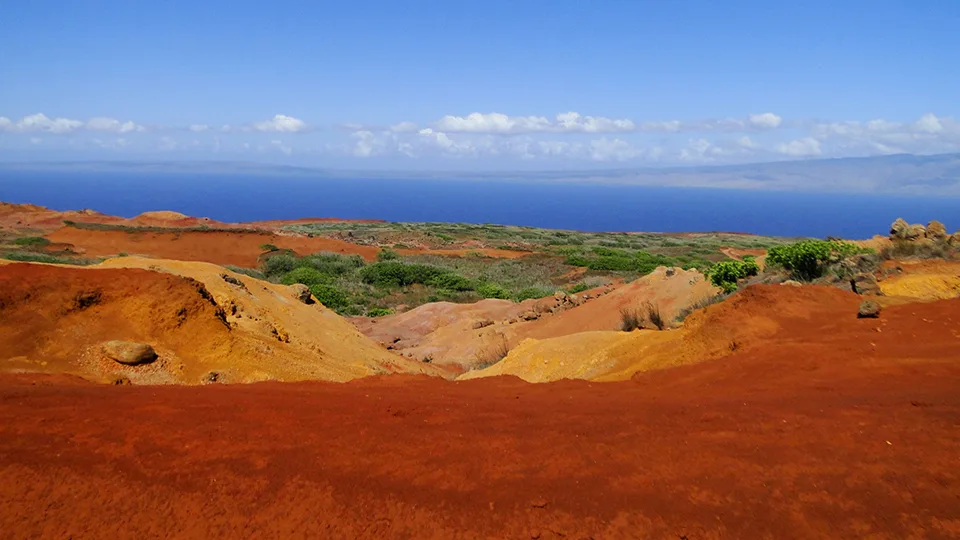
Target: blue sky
478	85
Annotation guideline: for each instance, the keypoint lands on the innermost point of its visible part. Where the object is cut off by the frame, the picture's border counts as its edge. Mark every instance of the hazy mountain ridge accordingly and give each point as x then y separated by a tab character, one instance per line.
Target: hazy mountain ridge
892	174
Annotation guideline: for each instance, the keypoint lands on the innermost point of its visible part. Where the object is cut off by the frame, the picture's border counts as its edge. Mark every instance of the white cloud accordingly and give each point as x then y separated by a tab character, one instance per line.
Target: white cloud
111	125
929	123
5	123
498	123
41	123
807	146
612	150
199	128
765	120
404	127
670	126
35	140
282	124
746	142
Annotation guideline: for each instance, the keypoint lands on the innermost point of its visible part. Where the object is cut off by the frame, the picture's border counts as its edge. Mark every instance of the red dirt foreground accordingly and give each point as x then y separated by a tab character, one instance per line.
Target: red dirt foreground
844	431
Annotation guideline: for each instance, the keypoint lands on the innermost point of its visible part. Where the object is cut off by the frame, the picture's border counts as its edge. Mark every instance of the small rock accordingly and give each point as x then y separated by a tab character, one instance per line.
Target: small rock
670	272
539	502
302	293
482	324
232	280
529	315
129	352
792	283
868	310
560	296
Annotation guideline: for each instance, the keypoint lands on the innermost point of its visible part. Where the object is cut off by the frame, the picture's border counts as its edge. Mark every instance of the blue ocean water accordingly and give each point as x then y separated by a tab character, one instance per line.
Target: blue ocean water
585	207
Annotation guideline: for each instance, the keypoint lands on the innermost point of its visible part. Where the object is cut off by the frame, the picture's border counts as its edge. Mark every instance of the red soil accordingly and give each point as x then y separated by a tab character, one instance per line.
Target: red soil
241	248
218	247
833	430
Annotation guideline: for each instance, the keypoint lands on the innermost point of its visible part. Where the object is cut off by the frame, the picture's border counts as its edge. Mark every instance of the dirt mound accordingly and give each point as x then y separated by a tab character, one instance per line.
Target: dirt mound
448	333
921	280
202	327
834	439
748	318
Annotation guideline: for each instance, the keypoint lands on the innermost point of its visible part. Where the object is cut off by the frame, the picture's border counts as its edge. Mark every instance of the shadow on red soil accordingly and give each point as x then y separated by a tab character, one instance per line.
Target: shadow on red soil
834	454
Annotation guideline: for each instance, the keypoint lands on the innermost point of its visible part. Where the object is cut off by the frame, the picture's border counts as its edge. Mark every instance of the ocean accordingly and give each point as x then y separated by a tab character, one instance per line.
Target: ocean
584	207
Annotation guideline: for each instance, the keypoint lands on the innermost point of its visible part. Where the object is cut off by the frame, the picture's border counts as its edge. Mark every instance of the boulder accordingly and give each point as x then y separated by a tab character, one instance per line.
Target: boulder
530	315
129	353
865	285
915	232
792	283
302	293
954	239
868	310
482	324
898	229
936	230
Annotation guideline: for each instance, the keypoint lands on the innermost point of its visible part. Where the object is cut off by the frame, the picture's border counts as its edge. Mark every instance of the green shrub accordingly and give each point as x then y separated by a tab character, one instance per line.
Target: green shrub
330	296
392	274
240	270
268	247
532	293
32	241
306	275
492	290
387	254
725	274
807	259
22	256
379	312
279	265
451	281
578	288
333	264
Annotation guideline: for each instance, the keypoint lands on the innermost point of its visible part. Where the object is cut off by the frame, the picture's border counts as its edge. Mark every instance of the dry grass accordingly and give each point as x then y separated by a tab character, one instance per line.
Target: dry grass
495	351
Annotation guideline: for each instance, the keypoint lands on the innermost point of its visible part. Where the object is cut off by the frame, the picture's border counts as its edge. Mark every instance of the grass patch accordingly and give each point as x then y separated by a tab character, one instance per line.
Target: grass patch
24	256
31	241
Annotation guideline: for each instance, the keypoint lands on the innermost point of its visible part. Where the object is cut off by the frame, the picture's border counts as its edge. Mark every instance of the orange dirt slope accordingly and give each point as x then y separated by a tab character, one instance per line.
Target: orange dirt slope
55	319
818	436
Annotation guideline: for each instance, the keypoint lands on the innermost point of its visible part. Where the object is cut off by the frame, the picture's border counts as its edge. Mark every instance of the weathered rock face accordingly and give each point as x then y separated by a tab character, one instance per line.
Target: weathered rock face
129	352
302	293
898	229
936	230
954	239
868	310
865	285
915	232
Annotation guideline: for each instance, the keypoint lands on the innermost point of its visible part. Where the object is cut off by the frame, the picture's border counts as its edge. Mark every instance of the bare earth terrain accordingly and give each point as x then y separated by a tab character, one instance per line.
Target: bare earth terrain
775	412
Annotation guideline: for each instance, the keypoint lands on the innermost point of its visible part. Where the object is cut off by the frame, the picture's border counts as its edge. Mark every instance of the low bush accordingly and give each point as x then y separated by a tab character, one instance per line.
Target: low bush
726	274
532	293
387	254
238	269
653	315
23	256
806	260
331	297
305	275
31	241
630	319
392	274
379	312
278	265
492	290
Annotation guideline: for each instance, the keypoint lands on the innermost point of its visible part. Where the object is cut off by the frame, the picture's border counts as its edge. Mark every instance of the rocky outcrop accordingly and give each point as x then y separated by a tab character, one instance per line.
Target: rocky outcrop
302	293
936	230
865	285
901	230
129	352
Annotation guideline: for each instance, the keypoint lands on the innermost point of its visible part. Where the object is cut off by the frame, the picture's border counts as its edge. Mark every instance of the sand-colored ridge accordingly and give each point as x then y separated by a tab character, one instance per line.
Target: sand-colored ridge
448	333
745	320
198	322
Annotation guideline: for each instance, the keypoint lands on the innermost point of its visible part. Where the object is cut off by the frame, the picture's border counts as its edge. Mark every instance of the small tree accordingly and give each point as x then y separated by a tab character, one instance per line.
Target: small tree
806	260
726	274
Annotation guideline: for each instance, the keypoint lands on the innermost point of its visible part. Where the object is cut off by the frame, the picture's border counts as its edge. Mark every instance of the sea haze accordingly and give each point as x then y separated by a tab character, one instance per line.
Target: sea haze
579	206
